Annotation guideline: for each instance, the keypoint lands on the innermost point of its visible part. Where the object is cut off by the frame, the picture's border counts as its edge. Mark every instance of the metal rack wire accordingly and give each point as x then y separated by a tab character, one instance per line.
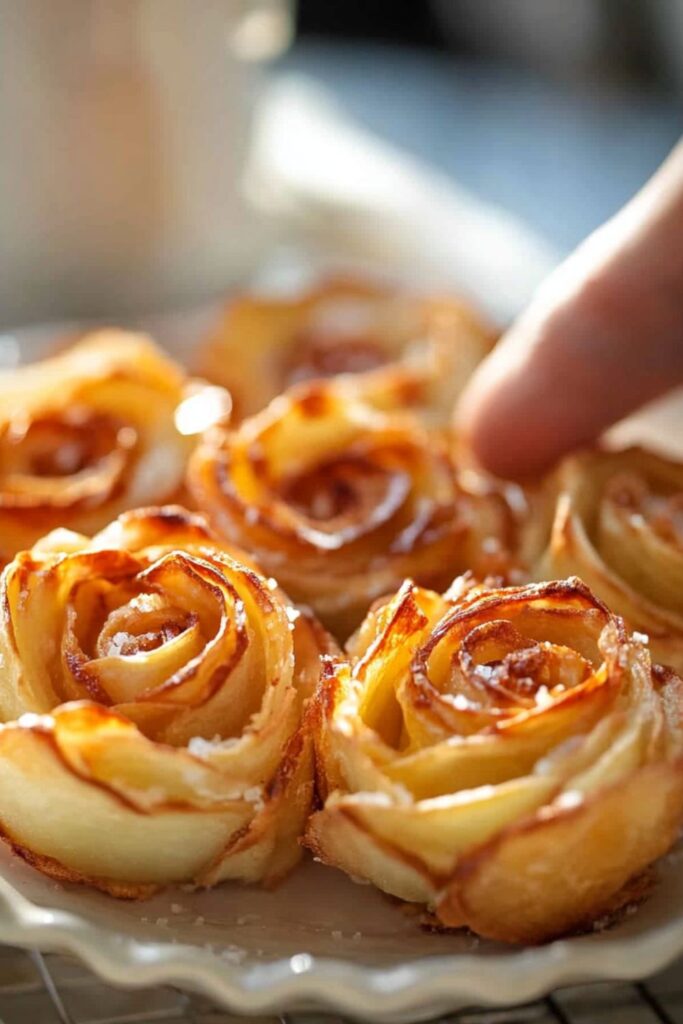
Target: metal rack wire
47	989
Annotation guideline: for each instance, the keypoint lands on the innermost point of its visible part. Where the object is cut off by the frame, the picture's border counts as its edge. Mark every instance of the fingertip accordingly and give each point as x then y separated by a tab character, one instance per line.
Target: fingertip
494	419
541	392
601	337
502	452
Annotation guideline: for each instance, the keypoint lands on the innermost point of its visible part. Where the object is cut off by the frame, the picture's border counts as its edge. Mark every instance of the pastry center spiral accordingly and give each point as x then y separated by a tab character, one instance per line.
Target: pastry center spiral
326	355
141	626
496	666
336	492
350	335
474	676
77	445
662	513
148	638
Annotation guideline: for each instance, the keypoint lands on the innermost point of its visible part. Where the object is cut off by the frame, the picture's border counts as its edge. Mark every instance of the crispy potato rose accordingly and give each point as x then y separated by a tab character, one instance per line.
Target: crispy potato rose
422	347
618	523
86	435
341	500
508	757
152	691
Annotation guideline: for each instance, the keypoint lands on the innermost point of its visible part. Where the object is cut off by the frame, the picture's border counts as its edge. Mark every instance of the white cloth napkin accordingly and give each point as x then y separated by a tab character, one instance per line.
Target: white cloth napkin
348	197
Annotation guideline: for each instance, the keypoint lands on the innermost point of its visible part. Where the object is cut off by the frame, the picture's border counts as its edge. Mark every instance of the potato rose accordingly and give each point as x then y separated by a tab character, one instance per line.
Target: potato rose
618	523
86	435
340	500
152	691
422	348
508	757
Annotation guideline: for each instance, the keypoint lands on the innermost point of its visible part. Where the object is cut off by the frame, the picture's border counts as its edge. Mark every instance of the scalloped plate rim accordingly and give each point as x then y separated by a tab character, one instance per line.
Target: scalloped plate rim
420	987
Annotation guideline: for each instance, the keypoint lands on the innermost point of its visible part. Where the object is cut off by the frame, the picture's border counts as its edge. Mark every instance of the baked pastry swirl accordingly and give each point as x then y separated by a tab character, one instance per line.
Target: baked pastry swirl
151	695
506	756
421	348
86	435
618	523
340	500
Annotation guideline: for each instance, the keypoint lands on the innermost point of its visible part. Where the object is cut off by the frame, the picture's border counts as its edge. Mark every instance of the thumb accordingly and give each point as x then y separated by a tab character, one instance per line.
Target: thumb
603	336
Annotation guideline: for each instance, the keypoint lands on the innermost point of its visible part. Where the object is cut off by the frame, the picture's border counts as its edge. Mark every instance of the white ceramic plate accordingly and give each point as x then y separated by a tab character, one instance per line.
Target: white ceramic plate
321	942
318	942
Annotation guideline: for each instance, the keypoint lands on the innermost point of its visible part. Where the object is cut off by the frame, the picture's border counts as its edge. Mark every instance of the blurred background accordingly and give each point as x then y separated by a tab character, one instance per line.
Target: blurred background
157	153
557	110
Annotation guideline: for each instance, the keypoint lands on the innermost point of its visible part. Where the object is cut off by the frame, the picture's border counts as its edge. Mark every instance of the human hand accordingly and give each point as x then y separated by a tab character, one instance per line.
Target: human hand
603	335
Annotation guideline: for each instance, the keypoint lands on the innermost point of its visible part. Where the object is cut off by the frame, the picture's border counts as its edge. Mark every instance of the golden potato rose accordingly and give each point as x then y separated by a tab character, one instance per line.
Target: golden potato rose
423	348
508	757
618	523
152	689
340	500
86	435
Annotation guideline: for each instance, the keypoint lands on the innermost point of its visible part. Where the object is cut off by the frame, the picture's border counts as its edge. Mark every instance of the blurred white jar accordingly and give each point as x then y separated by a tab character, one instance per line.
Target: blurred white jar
124	130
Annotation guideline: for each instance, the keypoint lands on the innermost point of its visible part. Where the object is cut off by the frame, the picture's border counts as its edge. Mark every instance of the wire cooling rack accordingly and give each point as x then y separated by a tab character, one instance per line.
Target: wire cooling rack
47	989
